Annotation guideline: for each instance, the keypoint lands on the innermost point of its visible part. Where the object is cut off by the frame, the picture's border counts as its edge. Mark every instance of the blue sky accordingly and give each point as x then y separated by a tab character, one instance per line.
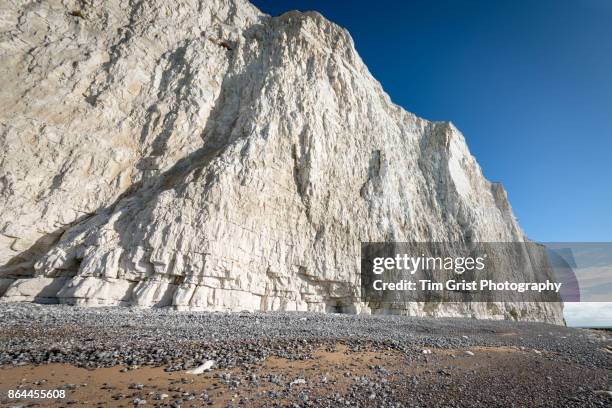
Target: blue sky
529	83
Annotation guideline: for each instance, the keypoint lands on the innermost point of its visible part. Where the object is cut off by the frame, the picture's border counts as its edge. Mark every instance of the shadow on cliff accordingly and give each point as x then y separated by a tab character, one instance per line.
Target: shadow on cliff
218	134
22	264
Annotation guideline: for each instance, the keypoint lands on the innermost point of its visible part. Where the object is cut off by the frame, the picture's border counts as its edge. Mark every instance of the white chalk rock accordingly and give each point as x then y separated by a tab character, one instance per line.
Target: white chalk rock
207	156
202	368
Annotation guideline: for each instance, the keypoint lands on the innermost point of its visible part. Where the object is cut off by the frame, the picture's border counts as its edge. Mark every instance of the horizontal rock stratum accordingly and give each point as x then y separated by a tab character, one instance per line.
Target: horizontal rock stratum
204	155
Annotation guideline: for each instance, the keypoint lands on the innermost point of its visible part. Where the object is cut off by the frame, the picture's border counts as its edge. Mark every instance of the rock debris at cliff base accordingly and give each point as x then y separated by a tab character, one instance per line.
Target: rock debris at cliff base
307	359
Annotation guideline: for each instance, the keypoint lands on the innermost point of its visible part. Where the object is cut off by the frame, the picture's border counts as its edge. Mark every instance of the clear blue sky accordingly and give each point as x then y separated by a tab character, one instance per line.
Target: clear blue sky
529	83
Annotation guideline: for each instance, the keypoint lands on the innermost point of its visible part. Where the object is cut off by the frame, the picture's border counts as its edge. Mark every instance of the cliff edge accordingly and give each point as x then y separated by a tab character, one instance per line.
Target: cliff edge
204	155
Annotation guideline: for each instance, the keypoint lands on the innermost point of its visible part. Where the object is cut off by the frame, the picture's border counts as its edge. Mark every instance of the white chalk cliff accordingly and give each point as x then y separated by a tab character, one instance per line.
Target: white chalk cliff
203	155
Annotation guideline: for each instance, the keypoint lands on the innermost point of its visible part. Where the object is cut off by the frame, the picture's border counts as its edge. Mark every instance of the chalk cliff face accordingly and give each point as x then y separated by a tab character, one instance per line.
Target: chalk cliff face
203	155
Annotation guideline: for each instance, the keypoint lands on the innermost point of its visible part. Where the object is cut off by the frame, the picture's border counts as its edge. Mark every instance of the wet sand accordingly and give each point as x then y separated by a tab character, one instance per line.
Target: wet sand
492	376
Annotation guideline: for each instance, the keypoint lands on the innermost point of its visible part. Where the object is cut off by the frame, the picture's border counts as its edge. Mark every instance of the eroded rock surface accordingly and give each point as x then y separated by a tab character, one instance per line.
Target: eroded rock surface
204	155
